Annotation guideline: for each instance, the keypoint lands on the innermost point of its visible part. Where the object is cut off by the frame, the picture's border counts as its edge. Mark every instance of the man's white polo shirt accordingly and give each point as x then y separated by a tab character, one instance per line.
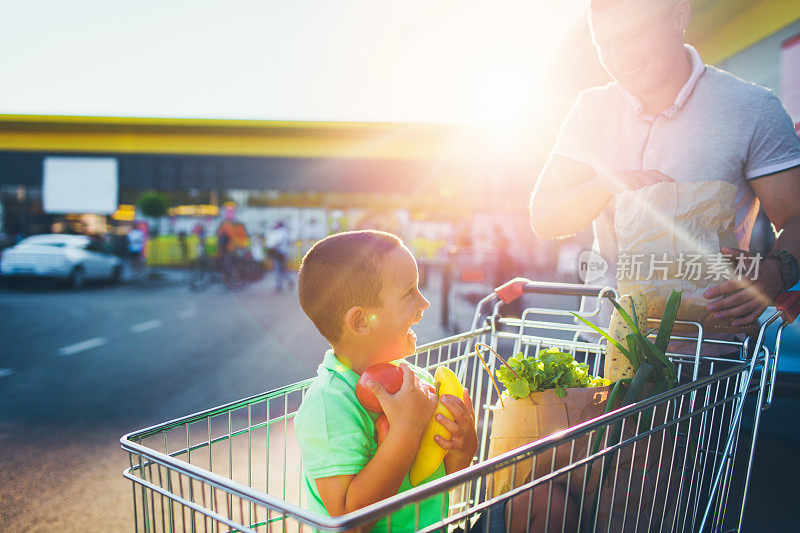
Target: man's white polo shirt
719	128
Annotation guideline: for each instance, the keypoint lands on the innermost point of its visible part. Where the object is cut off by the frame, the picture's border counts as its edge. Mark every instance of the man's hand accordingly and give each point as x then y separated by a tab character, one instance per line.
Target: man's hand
743	300
630	180
463	442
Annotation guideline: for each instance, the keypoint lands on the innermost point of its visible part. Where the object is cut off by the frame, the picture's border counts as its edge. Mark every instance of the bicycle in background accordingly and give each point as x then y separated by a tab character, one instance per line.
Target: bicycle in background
234	271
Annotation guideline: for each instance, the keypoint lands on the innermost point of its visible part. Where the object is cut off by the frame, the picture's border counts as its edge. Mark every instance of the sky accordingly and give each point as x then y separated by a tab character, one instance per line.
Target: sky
333	60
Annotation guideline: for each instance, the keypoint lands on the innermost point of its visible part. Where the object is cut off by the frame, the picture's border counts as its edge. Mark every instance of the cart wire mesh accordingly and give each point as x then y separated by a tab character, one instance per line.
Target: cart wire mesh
671	467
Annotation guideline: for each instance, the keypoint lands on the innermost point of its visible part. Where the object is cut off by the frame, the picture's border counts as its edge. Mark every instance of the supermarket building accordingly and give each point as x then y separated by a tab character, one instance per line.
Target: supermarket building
330	166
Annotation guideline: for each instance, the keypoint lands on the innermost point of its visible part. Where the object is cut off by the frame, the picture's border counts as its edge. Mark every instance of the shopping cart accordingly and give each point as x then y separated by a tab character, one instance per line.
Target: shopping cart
677	464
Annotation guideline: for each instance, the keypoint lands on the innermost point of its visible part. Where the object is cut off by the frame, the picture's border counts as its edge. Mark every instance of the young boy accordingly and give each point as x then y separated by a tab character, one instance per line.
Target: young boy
360	290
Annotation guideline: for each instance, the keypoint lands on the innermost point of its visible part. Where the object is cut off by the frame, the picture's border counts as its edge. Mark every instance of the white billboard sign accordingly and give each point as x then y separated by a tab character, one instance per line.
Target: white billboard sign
80	185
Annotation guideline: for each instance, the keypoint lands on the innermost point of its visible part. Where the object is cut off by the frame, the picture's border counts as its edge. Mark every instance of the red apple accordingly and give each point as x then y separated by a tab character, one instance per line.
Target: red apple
387	374
381	428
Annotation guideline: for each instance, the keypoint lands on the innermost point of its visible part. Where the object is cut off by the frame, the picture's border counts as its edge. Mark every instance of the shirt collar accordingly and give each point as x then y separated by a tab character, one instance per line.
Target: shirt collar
698	68
331	364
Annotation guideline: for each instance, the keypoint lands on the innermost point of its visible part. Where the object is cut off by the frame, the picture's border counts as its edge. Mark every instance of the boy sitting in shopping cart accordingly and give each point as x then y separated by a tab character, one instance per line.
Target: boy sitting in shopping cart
360	291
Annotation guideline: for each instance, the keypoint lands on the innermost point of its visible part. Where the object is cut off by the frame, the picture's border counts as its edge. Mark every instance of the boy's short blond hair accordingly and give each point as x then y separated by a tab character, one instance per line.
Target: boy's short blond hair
342	271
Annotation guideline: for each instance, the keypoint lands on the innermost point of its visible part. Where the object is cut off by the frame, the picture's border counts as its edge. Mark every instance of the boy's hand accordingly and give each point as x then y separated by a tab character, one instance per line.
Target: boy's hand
410	408
463	441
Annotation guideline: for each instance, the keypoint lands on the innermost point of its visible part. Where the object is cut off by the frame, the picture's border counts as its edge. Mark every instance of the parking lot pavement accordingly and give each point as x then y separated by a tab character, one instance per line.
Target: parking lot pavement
63	478
157	275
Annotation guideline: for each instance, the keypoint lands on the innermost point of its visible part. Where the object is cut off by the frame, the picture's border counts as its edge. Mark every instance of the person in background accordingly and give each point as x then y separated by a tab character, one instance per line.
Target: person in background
136	239
279	245
200	231
258	248
224	241
504	268
120	244
183	246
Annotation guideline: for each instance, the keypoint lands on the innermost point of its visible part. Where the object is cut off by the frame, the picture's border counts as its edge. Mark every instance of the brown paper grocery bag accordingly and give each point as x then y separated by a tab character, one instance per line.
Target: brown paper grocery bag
525	420
669	236
521	421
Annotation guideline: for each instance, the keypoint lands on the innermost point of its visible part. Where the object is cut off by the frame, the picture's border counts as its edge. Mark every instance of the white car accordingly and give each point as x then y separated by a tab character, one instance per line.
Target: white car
74	258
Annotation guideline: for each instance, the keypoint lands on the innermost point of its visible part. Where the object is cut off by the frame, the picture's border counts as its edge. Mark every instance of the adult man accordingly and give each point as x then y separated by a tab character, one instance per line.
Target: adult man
136	242
278	245
668	117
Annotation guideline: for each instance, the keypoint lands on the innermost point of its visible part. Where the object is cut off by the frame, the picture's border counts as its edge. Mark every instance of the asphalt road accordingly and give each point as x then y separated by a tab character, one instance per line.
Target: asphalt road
135	355
79	369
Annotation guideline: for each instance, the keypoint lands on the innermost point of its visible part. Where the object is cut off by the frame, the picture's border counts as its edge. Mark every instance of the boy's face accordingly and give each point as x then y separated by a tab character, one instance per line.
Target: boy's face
401	307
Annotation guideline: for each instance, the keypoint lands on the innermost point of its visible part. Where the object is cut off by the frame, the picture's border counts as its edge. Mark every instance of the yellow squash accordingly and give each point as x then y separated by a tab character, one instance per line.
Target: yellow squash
617	365
430	455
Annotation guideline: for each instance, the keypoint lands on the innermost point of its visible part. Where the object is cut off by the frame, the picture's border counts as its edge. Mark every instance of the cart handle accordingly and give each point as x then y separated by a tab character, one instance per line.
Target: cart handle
788	303
511	290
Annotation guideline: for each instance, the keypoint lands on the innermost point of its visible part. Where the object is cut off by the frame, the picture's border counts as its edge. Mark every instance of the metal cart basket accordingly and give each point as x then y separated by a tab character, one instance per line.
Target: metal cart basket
676	465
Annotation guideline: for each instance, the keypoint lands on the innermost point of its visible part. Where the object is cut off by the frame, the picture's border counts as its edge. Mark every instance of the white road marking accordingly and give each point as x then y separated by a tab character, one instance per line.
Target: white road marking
78	347
5	372
145	326
186	314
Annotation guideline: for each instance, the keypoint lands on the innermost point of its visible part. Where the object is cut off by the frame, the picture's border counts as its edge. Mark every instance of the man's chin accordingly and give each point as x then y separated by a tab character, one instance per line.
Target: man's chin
640	86
636	87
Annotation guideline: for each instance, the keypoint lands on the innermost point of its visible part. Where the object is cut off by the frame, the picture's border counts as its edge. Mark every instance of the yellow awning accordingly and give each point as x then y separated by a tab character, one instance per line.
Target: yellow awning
49	133
723	28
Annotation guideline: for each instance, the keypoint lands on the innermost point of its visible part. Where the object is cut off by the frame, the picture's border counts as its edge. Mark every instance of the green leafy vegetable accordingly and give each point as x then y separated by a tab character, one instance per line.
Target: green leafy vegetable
551	369
605	335
668	320
519	388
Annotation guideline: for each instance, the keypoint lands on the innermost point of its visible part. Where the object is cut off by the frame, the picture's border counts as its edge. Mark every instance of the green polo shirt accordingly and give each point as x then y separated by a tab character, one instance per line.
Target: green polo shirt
337	437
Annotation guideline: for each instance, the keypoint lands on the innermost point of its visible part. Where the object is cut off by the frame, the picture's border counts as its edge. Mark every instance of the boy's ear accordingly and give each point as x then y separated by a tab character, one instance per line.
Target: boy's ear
356	320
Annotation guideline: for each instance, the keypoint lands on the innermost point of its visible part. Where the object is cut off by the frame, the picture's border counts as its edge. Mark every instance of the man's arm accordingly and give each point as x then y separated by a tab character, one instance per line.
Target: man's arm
569	194
744	301
779	194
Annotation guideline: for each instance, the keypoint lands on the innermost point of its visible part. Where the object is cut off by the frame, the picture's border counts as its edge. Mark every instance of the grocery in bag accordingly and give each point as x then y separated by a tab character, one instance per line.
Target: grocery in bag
669	236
